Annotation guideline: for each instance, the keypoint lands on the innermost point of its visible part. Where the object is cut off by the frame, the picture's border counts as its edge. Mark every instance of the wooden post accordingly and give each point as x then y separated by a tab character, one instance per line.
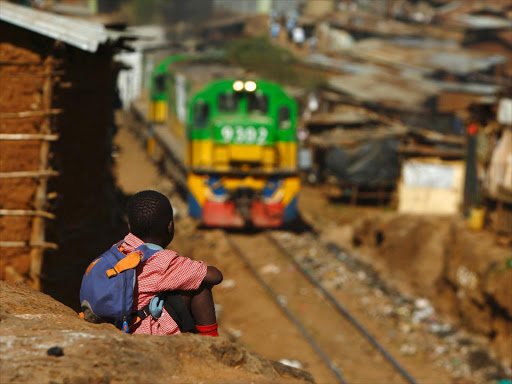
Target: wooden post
353	195
38	224
498	225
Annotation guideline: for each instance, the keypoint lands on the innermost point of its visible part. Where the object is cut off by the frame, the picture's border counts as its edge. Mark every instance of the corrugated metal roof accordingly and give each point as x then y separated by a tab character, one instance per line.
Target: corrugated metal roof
148	37
484	22
387	90
341	65
346	115
464	62
472	88
425	58
82	34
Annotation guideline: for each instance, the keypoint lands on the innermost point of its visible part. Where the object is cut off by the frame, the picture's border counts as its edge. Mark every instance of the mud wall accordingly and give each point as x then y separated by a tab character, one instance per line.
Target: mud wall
83	197
24	60
462	272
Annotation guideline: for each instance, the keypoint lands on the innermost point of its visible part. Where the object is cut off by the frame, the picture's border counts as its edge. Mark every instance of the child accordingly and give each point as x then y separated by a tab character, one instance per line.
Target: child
187	283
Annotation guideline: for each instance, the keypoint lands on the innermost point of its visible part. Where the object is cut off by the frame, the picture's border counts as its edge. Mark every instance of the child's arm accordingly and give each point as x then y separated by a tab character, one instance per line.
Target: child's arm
213	276
181	273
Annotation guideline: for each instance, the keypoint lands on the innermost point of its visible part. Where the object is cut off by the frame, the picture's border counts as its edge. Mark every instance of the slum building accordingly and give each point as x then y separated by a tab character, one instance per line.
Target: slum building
403	79
57	195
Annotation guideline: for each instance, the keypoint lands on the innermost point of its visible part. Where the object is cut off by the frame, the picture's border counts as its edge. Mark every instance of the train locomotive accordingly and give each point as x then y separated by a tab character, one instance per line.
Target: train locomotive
240	137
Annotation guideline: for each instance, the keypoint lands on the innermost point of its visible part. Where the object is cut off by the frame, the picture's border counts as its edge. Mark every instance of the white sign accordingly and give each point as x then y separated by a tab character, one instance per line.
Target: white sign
505	112
416	174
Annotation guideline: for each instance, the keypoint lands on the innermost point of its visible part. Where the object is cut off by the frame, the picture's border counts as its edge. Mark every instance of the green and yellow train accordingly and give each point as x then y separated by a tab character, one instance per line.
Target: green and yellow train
240	135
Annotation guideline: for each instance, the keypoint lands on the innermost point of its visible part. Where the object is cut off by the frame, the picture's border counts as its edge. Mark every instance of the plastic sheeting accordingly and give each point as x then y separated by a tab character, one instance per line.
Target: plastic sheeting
370	164
499	175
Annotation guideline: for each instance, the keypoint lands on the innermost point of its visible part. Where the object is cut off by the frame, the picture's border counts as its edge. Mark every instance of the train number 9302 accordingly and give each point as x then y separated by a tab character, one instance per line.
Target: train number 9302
244	135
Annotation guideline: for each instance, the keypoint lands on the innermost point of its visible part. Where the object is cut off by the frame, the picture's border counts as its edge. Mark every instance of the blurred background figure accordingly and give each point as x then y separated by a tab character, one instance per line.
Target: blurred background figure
298	36
275	29
312	41
291	22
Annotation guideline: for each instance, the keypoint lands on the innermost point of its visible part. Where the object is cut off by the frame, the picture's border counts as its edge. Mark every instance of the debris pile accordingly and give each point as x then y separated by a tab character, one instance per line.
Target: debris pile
410	319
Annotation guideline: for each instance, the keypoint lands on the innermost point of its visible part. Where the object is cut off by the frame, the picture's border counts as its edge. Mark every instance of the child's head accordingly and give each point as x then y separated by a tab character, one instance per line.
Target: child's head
150	217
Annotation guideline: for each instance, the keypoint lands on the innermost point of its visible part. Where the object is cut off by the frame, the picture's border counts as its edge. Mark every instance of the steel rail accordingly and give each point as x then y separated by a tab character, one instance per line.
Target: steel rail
342	310
288	313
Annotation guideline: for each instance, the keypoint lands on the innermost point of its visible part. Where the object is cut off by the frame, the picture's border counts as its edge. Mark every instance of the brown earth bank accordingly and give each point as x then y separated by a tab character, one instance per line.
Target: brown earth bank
31	323
462	272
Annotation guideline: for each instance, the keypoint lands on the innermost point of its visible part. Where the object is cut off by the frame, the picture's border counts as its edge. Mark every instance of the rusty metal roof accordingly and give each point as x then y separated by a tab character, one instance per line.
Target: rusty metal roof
426	57
341	64
79	33
387	90
483	22
378	25
464	62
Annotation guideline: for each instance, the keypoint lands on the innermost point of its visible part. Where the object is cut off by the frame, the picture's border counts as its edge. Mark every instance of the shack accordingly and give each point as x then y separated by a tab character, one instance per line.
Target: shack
57	194
397	77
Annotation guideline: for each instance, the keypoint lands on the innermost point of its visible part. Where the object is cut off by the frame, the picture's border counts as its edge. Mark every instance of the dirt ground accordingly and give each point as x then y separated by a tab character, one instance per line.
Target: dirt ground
33	324
462	272
256	323
247	314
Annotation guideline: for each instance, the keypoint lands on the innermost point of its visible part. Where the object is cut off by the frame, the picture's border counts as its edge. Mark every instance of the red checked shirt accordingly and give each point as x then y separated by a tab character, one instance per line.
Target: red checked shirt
164	271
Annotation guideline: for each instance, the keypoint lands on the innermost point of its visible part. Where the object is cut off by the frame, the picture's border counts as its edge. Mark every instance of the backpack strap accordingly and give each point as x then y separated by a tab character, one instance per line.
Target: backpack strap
146	252
130	261
140	315
175	307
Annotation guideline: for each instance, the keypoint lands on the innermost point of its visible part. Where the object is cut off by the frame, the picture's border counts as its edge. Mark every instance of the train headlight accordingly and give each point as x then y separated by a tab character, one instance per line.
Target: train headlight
238	85
250	86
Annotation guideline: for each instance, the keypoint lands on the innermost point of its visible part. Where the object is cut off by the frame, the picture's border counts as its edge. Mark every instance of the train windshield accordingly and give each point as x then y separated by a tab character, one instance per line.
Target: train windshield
201	114
227	102
257	103
284	118
160	83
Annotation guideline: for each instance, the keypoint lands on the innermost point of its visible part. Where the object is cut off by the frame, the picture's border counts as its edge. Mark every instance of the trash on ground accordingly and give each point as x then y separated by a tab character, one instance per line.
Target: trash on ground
270	269
228	284
291	363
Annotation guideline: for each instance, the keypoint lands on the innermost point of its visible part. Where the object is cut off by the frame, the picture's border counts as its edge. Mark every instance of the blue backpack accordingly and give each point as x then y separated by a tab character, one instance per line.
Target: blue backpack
106	294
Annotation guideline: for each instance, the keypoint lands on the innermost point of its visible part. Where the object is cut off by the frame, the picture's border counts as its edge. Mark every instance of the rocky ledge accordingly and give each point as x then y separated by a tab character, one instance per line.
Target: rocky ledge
43	341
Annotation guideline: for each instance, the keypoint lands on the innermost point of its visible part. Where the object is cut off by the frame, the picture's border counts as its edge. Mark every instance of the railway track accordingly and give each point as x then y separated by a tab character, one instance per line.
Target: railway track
304	300
299	295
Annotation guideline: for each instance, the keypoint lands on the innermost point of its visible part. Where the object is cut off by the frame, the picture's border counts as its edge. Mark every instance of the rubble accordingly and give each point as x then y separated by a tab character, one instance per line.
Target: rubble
234	333
270	269
228	284
291	363
415	318
423	311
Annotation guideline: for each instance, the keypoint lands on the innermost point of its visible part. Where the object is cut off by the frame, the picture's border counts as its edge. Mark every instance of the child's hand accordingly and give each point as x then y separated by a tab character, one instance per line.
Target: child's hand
155	307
